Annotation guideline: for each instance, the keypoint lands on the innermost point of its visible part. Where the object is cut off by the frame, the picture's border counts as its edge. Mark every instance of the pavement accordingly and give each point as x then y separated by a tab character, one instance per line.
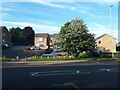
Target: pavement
44	63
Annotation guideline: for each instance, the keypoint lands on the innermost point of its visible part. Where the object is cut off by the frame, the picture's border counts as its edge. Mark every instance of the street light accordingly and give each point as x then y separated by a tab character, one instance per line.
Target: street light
111	26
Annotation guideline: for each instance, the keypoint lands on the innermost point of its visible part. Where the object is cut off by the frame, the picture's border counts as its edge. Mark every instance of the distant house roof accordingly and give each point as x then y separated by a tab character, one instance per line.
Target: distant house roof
4	29
41	35
1	27
54	35
105	35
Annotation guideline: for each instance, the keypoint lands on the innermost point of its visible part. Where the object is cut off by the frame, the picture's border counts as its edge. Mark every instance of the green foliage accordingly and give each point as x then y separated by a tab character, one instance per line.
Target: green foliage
4	59
28	36
75	36
84	55
22	37
64	54
71	59
50	59
17	35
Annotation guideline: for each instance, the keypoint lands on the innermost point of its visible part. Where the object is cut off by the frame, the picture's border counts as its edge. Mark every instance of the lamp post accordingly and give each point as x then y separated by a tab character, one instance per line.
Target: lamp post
111	27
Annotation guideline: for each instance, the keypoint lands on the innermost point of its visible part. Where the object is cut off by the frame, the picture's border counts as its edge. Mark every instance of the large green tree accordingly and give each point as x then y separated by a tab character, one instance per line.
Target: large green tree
75	36
17	36
29	34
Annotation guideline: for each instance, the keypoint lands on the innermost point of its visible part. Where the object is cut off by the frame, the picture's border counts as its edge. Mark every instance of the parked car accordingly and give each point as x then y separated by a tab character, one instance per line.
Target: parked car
34	48
5	46
48	51
57	50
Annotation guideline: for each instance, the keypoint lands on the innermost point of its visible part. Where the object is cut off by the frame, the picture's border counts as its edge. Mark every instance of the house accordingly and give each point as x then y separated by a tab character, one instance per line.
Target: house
6	35
42	40
106	43
54	38
118	47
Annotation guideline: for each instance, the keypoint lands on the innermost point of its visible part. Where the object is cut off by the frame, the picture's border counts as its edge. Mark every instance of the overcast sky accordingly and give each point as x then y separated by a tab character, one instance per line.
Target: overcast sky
48	17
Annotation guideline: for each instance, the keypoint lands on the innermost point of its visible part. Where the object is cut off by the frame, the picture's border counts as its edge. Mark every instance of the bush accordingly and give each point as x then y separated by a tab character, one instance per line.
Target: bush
64	54
84	55
95	54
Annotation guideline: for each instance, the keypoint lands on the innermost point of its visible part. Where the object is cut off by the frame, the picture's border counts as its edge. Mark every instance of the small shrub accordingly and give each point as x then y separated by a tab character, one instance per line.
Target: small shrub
84	55
64	54
95	54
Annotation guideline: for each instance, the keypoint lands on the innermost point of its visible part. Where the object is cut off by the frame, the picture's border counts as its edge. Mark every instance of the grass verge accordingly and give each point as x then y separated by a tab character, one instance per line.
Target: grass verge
5	59
71	59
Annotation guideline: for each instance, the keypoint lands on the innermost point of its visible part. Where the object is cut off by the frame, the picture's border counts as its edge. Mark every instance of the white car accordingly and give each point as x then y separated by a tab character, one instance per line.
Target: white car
35	48
57	50
6	46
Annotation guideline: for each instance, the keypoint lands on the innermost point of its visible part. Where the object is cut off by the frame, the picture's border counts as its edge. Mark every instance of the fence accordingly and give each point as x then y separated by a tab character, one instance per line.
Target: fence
109	55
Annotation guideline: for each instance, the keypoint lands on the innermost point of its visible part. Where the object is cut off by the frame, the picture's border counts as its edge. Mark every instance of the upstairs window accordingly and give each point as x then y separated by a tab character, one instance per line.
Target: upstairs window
40	39
99	42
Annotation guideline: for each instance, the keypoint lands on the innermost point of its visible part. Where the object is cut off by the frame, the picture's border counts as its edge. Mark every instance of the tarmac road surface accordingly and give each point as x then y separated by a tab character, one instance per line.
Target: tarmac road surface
72	76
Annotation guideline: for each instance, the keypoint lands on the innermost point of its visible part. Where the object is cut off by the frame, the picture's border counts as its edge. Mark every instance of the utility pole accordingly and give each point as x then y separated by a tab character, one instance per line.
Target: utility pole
111	28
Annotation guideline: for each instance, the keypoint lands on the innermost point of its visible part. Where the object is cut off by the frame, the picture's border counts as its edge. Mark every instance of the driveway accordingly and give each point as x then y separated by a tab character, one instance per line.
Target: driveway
14	51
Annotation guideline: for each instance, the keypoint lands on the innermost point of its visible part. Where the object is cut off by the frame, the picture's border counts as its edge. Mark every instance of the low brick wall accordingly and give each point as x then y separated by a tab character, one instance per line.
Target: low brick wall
116	55
34	52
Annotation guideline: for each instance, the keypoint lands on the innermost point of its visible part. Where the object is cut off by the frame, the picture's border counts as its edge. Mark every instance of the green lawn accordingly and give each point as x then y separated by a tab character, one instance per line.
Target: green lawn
71	59
50	59
5	59
64	59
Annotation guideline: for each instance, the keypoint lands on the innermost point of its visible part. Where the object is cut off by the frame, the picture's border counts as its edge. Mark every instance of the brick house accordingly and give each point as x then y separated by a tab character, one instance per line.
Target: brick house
54	38
6	35
42	40
106	43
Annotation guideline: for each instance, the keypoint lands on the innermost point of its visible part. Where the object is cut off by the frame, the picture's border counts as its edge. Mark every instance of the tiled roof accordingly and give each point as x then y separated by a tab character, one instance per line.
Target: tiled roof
41	35
1	27
103	36
54	35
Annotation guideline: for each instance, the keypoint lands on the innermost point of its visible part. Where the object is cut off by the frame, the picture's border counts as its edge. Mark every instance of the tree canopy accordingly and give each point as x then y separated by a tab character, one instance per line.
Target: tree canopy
75	36
22	36
17	35
28	35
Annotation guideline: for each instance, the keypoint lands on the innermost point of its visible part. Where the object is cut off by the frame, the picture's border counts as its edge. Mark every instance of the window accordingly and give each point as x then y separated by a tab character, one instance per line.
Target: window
99	42
51	38
40	39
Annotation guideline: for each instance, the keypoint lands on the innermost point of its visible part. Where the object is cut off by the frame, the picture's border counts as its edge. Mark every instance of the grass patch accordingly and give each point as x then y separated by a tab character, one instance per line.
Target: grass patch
71	59
5	59
50	59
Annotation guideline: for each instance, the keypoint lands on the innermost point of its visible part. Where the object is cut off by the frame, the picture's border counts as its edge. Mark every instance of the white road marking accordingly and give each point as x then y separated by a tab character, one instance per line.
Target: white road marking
110	70
78	72
66	84
33	74
48	73
105	70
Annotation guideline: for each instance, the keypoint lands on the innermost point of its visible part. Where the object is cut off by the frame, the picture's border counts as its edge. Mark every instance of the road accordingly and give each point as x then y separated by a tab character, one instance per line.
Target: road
58	76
